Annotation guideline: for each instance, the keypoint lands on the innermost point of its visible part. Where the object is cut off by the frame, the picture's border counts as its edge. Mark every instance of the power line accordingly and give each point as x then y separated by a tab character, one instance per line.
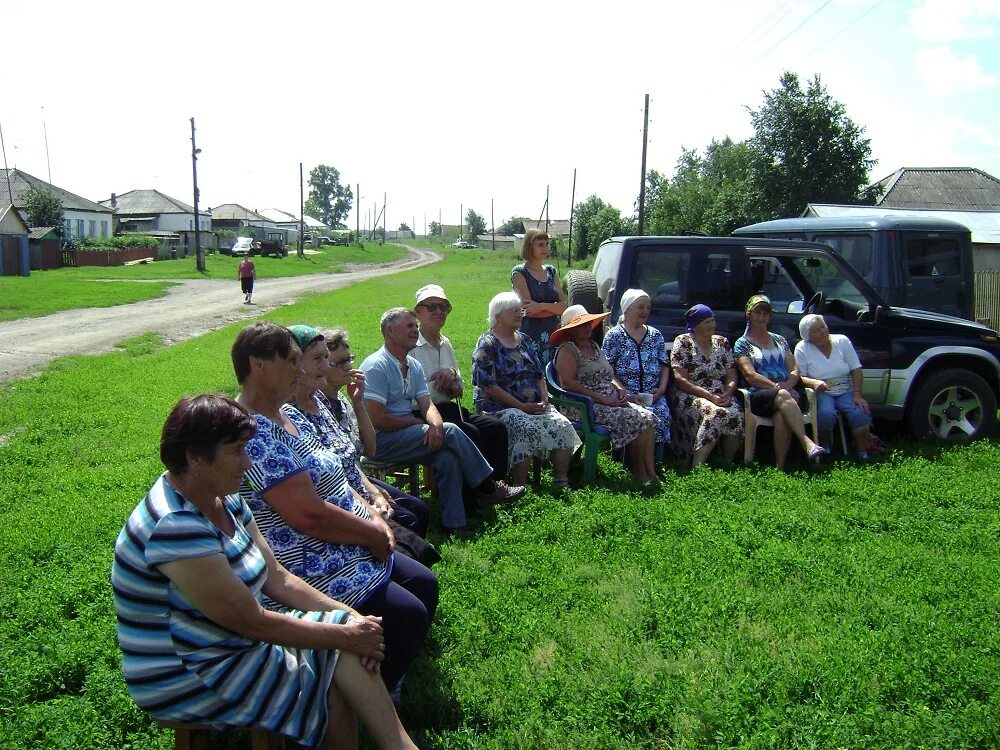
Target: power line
789	7
845	28
778	43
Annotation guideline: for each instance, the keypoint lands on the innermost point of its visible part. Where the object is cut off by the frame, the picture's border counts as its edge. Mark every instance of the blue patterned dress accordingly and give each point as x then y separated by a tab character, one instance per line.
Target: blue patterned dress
538	330
637	367
181	666
345	572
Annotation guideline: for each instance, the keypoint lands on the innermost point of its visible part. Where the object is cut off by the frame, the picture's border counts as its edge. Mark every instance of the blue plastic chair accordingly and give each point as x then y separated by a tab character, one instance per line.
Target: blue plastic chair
593	435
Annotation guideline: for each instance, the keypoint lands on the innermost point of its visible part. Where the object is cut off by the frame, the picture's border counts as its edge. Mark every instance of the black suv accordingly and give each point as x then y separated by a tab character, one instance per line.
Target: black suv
939	373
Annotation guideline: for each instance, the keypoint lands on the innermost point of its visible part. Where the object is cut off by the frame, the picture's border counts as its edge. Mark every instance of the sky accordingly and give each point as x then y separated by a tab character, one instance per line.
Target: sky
439	107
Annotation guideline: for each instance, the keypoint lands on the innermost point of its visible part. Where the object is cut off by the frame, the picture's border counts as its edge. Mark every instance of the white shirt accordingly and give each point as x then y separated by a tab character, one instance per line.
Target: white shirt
835	369
432	359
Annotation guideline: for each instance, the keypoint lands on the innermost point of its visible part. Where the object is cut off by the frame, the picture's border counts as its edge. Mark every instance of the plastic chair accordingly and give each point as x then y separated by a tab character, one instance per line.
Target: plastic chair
752	422
592	434
402	474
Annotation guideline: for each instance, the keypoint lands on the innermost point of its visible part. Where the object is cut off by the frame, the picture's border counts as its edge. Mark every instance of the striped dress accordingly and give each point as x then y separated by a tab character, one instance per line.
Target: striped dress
181	666
345	572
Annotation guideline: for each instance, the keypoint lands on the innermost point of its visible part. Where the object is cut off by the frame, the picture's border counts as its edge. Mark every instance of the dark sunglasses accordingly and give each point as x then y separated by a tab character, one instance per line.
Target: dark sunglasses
437	306
347	362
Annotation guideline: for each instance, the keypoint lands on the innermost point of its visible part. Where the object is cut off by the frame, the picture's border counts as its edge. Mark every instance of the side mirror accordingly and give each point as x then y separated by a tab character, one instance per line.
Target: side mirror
796	307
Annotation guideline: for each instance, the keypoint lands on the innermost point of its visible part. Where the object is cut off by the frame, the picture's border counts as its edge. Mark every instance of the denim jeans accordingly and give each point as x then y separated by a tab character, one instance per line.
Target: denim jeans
827	406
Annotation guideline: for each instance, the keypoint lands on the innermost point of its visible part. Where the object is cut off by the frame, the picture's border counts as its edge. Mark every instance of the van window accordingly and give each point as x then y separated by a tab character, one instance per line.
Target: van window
683	277
932	257
856	250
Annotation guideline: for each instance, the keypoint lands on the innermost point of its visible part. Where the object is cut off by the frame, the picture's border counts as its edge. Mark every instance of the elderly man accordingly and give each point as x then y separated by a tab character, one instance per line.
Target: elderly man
393	381
444	380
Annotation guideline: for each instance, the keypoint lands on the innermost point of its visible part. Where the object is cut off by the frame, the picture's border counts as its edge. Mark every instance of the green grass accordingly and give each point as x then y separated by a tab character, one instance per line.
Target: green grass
850	607
46	292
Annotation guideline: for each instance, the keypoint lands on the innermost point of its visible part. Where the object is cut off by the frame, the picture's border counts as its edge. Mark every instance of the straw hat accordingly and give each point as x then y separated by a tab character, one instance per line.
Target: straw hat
573	316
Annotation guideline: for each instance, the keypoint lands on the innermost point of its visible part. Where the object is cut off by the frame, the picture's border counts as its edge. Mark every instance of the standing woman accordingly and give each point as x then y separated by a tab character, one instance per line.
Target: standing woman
705	411
247	273
541	296
768	366
638	354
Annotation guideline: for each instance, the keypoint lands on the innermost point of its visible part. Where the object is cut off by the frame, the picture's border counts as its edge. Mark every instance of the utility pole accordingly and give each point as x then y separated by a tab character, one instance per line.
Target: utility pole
493	226
357	213
385	200
461	218
302	215
572	203
199	251
642	184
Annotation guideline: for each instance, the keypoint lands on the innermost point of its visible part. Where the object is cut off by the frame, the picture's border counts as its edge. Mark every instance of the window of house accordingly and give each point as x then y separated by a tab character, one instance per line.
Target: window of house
104	228
69	229
93	227
80	227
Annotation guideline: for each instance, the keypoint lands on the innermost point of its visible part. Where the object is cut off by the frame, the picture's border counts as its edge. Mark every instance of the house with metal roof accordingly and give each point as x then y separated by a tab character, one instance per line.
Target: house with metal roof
151	211
13	243
83	218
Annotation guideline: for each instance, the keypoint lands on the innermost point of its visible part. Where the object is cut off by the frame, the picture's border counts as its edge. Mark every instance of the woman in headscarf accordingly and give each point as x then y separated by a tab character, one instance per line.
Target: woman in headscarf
638	355
704	409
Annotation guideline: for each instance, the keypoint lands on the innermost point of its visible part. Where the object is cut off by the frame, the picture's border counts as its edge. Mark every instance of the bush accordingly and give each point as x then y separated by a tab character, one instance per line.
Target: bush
118	242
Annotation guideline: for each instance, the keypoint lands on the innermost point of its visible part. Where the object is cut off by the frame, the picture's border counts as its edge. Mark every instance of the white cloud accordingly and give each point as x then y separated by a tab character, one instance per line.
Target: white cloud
945	72
954	20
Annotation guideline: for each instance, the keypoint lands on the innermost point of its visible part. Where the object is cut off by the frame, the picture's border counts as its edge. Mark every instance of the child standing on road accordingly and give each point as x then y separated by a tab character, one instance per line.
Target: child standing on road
246	275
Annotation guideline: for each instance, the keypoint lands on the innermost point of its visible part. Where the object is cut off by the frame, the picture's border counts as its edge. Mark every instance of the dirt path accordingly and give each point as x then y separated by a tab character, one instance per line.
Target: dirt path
189	309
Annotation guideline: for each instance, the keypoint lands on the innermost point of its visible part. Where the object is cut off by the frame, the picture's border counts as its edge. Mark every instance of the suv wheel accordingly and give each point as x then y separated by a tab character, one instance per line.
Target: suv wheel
581	289
955	406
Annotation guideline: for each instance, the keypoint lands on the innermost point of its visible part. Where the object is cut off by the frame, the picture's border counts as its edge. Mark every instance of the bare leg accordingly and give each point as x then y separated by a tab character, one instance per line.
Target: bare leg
786	405
636	451
862	436
342	726
701	455
365	692
782	440
519	472
560	463
826	439
731	445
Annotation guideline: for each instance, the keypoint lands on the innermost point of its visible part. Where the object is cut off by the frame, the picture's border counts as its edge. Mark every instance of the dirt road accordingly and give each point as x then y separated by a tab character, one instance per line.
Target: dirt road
189	309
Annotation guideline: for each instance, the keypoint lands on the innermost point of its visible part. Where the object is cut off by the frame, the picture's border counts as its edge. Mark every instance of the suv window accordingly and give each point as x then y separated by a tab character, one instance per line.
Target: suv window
932	257
681	277
856	250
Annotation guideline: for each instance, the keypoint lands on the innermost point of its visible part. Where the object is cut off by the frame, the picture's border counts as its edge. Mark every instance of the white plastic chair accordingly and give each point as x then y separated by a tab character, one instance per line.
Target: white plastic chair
752	422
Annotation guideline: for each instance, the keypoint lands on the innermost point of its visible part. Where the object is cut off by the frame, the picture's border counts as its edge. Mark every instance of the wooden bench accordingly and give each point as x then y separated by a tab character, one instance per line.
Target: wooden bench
195	736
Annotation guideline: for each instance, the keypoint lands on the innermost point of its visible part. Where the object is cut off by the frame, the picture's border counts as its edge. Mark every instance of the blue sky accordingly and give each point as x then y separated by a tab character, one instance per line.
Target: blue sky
444	104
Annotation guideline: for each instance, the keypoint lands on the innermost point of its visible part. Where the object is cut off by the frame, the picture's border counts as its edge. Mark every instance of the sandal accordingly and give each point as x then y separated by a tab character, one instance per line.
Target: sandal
816	451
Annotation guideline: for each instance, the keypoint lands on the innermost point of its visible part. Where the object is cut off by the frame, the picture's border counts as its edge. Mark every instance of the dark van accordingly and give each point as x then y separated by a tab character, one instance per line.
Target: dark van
914	262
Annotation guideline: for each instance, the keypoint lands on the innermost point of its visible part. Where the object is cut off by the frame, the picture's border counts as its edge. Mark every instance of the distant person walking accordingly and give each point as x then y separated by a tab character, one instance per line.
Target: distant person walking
247	274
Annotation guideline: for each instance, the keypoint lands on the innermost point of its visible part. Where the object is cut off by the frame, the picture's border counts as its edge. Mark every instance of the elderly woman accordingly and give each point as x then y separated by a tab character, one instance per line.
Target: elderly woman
189	574
584	369
638	355
828	363
704	409
767	365
541	295
318	527
509	383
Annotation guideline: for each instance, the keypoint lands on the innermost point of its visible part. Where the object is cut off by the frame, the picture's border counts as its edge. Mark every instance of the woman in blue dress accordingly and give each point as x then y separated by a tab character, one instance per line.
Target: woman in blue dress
542	298
190	572
638	354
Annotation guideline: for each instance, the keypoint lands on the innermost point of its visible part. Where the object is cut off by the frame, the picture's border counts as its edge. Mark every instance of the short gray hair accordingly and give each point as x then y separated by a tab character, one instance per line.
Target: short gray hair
806	324
393	316
502	303
335	338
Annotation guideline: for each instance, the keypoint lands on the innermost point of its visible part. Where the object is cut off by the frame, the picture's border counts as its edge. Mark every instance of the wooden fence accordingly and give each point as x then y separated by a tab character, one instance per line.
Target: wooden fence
988	298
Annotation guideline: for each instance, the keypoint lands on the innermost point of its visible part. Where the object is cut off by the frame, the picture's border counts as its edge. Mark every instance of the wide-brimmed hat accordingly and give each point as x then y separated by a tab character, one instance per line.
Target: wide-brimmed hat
573	316
430	291
758	299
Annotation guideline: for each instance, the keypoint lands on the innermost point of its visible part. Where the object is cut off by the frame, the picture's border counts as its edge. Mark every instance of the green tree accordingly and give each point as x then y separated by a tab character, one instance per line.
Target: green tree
805	149
513	225
328	200
435	229
404	227
475	224
44	209
595	221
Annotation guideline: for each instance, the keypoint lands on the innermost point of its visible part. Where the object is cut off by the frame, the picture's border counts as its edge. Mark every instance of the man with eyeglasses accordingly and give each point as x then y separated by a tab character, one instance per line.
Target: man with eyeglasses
435	354
393	381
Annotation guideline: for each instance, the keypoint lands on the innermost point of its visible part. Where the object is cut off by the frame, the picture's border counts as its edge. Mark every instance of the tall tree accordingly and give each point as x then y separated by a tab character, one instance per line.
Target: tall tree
435	229
595	221
328	200
475	224
44	209
805	149
513	225
404	227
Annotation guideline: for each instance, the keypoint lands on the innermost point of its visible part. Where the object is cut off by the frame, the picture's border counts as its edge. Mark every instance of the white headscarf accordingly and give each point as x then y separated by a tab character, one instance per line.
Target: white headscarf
805	325
628	299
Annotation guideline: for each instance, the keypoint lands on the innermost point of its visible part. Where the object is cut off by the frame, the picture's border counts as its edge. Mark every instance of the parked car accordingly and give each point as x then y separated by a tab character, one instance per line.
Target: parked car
937	373
462	243
325	241
243	246
307	238
274	247
910	261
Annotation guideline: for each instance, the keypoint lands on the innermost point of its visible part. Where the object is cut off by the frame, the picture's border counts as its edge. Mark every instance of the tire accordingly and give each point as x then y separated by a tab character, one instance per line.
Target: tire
581	289
953	406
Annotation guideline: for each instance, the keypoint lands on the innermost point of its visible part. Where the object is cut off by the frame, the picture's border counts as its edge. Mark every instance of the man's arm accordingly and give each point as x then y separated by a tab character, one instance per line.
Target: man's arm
386	422
434	438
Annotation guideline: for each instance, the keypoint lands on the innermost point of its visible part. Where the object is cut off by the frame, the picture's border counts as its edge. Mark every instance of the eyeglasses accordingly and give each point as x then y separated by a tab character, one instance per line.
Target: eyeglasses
437	306
345	363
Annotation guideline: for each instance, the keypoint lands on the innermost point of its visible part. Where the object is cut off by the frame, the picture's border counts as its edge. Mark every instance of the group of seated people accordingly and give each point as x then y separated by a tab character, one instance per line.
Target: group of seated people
266	581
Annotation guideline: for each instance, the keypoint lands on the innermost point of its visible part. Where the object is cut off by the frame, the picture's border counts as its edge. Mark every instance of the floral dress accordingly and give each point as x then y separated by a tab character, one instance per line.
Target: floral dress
332	435
624	422
697	421
518	371
637	366
345	572
538	330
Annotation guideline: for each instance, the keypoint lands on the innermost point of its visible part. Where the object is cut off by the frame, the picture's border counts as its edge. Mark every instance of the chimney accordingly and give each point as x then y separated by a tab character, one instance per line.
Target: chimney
114	203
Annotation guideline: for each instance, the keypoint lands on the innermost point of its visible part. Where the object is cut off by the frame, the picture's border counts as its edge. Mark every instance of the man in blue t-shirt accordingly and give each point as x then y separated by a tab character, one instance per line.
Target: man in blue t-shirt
393	382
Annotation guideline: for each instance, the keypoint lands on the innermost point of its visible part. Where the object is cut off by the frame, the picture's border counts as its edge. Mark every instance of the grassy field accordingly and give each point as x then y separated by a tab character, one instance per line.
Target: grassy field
849	607
46	292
